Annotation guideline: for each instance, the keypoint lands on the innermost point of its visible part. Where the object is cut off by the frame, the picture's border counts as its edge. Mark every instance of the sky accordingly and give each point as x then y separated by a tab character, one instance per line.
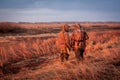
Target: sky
59	10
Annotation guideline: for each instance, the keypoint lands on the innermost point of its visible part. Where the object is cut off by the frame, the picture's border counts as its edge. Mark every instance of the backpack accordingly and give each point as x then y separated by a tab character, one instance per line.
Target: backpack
79	38
79	35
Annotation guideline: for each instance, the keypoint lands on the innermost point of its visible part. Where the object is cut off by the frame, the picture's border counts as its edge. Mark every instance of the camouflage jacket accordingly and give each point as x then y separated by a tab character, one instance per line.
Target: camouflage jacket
63	40
78	39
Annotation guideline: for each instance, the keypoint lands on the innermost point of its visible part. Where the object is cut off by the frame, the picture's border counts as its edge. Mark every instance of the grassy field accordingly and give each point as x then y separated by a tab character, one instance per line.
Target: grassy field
29	52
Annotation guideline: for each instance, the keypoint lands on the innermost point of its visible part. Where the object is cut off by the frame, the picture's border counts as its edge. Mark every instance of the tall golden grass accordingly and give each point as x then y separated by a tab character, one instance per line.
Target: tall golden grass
31	47
101	60
26	48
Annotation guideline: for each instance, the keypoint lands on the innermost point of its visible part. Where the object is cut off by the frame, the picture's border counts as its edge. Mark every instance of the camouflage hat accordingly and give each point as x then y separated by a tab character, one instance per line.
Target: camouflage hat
77	26
65	27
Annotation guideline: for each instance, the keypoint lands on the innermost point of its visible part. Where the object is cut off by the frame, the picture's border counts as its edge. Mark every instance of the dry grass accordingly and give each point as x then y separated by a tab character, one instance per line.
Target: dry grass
35	58
26	48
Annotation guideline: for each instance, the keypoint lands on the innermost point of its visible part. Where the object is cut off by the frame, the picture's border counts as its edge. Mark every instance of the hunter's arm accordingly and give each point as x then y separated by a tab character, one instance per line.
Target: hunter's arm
86	36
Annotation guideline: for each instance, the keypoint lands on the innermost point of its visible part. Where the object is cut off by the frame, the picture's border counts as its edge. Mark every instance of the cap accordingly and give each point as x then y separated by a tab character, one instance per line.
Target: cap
65	27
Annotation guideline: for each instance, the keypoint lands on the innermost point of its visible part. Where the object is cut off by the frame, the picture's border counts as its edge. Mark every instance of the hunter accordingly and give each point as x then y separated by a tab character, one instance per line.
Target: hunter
63	42
78	41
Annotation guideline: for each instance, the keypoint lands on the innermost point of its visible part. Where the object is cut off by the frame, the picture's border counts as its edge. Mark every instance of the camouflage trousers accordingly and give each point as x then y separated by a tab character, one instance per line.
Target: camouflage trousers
64	56
79	54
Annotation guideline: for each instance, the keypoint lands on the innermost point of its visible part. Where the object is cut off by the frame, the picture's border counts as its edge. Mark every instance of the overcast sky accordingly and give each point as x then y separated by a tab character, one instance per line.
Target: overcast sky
59	10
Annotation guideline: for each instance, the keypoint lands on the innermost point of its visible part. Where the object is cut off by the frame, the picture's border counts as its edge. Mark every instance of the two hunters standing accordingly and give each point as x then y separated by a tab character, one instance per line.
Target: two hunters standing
77	42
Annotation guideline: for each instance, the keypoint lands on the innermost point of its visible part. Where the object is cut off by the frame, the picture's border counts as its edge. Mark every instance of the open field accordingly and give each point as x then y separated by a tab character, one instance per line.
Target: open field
14	29
29	52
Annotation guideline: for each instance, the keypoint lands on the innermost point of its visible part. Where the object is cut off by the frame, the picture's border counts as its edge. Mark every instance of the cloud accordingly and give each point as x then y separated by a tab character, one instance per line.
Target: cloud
48	15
